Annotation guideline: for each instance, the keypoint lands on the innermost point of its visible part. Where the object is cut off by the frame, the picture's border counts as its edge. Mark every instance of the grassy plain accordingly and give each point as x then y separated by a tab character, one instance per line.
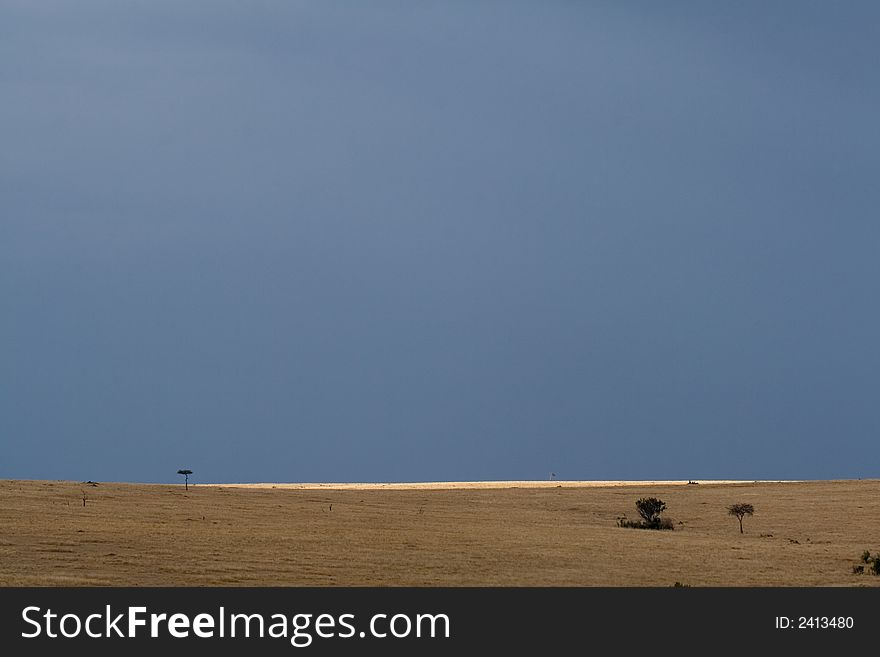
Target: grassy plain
551	534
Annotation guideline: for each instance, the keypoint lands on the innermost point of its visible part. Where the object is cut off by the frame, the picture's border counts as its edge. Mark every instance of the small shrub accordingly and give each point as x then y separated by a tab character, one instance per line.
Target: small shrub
872	562
649	509
679	585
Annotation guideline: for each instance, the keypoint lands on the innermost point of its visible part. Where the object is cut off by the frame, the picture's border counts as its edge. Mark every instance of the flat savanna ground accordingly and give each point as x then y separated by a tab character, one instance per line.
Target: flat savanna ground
802	534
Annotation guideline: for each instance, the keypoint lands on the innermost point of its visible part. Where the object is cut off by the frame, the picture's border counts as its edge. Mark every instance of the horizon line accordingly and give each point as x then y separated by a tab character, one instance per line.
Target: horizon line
452	485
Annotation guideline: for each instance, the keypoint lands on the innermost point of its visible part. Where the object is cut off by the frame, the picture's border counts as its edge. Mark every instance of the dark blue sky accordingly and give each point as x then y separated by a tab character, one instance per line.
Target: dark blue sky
335	241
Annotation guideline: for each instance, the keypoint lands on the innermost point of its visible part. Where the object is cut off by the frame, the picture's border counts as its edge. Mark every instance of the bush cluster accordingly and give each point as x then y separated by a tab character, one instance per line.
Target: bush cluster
649	509
872	562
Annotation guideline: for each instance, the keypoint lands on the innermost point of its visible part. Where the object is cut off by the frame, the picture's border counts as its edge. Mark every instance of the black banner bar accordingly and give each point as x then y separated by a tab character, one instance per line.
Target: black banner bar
432	621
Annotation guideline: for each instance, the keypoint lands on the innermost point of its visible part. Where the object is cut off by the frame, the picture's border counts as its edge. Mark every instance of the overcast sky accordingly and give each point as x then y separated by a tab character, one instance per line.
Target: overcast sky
402	241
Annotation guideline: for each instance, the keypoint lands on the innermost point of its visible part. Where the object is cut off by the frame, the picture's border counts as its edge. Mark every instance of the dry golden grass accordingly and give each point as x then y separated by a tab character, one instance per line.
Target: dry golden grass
557	533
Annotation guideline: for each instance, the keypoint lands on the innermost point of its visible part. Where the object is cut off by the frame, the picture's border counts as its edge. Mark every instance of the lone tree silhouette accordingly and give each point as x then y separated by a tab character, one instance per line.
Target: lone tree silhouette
650	509
186	474
741	510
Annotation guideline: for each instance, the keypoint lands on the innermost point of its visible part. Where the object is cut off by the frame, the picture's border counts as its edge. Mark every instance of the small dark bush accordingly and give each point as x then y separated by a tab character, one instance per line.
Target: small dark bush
869	561
679	585
649	509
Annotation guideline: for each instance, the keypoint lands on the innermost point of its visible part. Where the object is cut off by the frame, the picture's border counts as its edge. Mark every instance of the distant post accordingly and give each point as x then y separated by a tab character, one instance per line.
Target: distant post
186	474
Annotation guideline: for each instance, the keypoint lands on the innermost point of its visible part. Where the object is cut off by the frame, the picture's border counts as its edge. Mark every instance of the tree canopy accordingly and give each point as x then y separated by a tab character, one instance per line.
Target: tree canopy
741	510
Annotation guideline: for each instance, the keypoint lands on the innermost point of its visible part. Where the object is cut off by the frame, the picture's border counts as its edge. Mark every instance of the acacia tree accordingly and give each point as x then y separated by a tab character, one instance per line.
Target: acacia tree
186	474
650	509
741	510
